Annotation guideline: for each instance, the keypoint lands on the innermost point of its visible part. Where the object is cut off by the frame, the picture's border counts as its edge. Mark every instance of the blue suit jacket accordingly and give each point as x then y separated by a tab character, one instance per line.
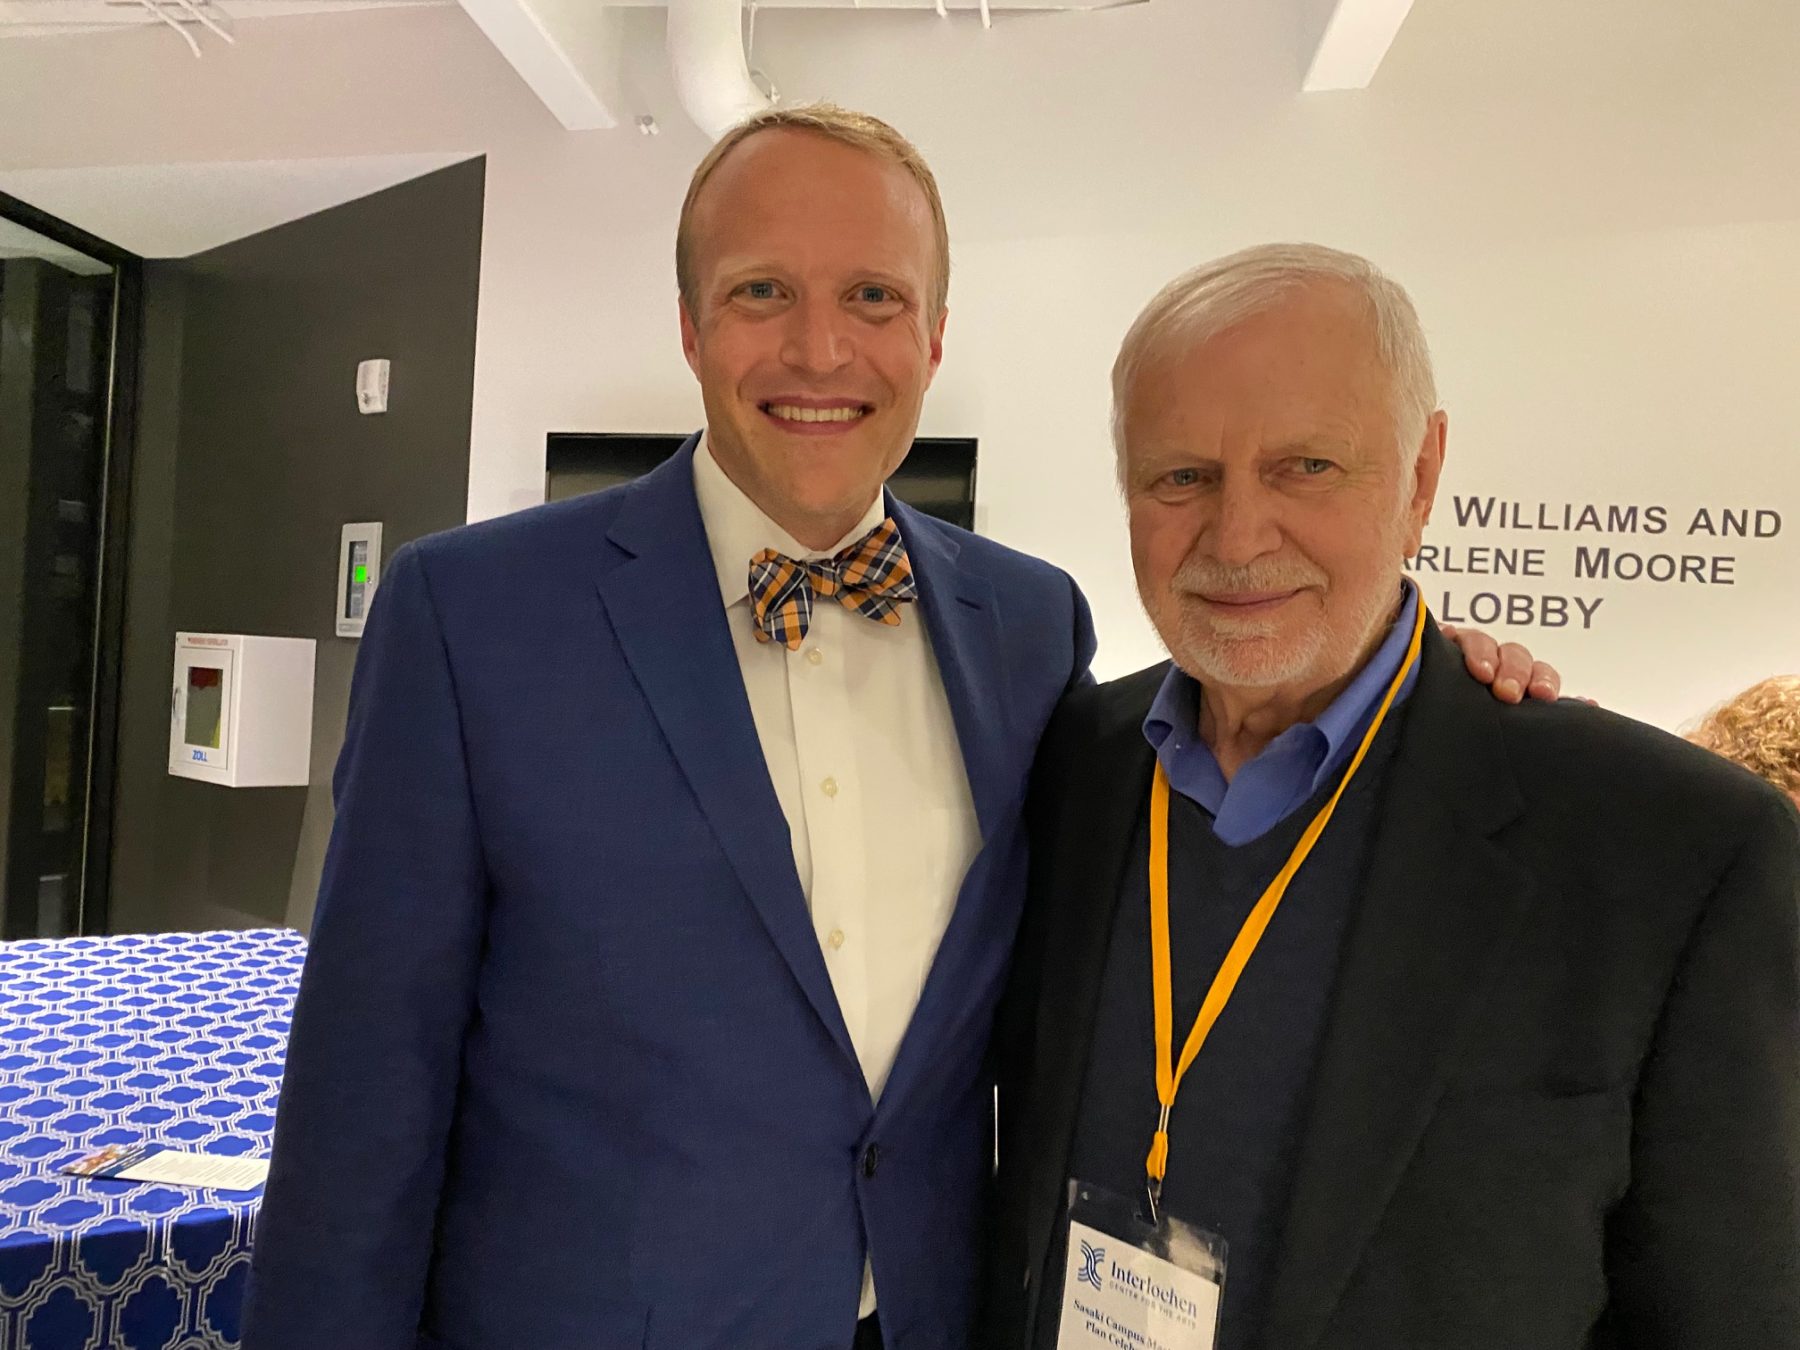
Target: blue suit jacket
567	1069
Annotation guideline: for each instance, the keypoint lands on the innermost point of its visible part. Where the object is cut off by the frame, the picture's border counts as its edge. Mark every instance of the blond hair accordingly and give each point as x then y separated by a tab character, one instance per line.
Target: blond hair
858	130
1760	731
1218	296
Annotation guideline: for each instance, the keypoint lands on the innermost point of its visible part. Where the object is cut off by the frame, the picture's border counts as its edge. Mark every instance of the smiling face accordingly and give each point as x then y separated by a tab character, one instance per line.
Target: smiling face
1270	501
811	331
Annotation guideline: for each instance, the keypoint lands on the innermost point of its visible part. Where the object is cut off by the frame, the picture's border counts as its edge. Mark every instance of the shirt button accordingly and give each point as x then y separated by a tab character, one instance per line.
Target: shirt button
871	1159
815	657
836	939
829	787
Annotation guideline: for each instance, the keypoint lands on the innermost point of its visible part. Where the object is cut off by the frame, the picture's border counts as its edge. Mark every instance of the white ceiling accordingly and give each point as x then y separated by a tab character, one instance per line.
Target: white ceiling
191	198
577	55
48	18
173	210
1607	110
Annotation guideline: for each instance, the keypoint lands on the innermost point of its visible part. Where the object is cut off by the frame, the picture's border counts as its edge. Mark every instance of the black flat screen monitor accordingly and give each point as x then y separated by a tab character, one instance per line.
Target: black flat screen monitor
937	478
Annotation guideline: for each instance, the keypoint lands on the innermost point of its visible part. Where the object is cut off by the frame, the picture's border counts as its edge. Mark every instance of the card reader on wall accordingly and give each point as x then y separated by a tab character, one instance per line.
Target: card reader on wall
241	711
359	572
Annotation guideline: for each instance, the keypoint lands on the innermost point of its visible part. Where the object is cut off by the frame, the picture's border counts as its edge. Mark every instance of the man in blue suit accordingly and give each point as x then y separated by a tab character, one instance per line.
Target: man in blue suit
678	855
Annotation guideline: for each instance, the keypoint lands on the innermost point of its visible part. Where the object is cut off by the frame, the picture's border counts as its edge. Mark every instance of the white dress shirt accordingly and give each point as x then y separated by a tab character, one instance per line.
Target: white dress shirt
861	749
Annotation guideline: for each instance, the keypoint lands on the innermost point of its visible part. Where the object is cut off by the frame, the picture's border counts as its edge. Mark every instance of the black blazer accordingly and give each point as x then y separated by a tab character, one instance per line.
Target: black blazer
1557	1103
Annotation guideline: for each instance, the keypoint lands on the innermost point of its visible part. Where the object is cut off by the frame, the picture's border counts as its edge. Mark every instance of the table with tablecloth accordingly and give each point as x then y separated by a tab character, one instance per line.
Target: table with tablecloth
176	1039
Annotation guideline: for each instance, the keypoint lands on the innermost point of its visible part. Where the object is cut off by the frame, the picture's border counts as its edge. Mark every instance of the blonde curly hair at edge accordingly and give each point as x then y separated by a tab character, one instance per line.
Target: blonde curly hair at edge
1760	731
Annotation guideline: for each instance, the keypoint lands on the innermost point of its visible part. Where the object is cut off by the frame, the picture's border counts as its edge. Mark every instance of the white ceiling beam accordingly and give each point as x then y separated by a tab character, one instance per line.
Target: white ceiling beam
564	52
1346	40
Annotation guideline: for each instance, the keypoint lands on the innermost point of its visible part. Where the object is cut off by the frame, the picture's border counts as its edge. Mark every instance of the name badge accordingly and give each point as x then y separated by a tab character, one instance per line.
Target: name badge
1132	1283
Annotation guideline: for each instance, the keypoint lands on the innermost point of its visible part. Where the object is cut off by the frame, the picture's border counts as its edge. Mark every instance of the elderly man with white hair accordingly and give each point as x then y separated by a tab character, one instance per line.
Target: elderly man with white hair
1352	1011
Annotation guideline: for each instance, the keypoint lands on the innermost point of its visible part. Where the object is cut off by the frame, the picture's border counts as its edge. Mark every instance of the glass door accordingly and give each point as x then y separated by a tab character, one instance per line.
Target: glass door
199	724
59	403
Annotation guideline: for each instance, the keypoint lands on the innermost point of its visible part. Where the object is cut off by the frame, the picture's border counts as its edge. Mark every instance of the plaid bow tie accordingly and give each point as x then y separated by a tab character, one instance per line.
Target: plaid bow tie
872	577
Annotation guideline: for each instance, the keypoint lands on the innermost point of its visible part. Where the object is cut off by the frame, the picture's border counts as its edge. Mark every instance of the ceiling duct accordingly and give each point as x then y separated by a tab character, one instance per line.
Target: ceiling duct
706	56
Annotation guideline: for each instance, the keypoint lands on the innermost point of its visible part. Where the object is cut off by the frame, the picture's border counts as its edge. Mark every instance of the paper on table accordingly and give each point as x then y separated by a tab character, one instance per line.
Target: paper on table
199	1169
173	1167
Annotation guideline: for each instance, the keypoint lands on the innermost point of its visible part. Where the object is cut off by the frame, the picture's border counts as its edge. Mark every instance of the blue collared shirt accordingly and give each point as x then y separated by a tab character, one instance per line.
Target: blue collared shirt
1291	767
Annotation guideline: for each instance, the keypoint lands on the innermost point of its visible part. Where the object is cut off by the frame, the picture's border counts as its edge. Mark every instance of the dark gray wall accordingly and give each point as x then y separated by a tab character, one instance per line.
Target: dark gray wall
251	456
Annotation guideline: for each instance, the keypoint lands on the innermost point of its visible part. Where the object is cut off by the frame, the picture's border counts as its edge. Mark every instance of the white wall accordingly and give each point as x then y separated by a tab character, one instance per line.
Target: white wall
1593	206
1656	369
1606	326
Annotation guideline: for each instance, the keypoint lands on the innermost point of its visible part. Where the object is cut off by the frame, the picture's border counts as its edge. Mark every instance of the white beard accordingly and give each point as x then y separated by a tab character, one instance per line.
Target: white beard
1249	652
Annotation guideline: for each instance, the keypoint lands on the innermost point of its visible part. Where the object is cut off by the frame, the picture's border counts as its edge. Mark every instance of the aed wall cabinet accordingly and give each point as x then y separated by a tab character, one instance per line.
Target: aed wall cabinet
241	711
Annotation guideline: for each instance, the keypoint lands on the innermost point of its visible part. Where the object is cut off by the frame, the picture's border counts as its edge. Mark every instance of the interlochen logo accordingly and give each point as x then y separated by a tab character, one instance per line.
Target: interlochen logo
1091	1257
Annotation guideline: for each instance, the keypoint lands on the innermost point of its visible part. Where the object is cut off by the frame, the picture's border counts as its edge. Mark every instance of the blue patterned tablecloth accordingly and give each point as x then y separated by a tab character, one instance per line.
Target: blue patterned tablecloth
176	1039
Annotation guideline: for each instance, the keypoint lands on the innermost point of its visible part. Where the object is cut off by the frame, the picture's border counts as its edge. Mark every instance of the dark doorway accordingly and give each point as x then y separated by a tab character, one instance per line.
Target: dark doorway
67	339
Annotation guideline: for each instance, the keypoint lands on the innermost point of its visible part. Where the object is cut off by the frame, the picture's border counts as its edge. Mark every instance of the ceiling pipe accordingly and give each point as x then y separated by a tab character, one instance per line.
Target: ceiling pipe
155	7
706	55
194	10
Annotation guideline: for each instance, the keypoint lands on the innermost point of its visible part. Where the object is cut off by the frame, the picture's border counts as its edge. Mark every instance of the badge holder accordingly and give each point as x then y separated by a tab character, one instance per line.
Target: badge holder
1135	1281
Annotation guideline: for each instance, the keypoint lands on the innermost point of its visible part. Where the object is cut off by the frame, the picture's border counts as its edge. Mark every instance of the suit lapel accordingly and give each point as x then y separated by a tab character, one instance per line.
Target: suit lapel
1079	881
664	606
1440	903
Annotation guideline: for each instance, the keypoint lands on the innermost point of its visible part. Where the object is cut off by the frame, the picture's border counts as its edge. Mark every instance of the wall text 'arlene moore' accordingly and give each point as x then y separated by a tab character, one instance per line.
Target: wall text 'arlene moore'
1582	554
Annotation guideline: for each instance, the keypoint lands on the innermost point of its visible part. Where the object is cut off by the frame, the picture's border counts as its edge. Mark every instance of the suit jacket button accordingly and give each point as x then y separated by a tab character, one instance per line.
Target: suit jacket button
871	1159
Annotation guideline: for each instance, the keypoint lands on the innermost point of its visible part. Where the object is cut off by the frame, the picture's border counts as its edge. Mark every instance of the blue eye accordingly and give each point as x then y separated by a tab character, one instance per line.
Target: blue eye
1183	477
760	290
874	295
1313	467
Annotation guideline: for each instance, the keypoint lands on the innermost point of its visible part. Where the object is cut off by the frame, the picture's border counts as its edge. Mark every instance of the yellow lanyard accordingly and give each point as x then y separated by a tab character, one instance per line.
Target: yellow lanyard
1168	1074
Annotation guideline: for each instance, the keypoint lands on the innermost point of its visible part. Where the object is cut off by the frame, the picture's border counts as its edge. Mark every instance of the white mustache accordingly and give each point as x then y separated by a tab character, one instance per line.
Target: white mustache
1277	574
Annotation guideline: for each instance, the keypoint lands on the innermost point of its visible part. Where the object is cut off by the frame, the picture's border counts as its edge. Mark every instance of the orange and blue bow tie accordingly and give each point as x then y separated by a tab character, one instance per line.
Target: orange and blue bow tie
872	577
